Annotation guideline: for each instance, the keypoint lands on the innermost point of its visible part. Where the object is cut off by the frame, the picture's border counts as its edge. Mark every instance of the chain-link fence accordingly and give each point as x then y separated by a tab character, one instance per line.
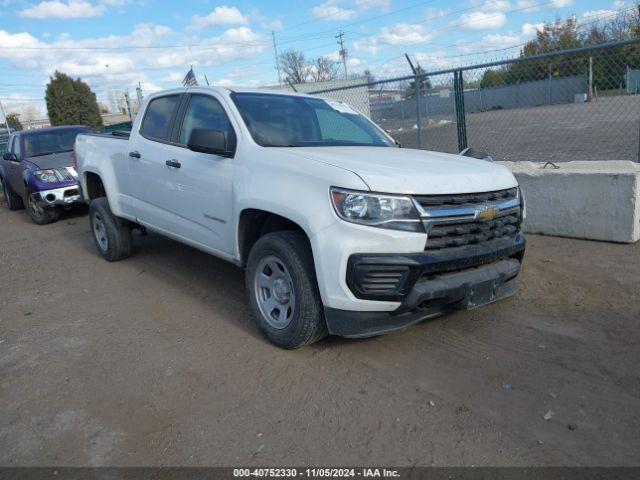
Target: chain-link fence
580	104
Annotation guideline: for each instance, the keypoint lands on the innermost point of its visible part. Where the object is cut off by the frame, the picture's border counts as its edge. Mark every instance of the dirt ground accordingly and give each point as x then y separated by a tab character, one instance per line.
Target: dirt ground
155	361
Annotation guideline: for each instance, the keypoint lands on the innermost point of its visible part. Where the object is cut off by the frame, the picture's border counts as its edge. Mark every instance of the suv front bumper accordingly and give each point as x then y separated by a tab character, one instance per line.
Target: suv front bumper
58	196
427	284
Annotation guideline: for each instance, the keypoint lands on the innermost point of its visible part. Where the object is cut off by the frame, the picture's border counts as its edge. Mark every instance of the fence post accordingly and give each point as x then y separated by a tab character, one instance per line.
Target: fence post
550	80
418	113
461	117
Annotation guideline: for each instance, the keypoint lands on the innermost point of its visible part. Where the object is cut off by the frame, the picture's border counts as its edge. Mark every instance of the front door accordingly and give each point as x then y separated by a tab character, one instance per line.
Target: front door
14	169
192	191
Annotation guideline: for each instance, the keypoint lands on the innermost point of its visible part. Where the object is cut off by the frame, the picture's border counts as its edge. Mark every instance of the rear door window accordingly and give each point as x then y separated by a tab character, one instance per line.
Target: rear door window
158	118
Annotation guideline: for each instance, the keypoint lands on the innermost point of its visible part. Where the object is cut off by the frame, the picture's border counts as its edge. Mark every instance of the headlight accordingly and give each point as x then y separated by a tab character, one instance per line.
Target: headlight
382	211
46	176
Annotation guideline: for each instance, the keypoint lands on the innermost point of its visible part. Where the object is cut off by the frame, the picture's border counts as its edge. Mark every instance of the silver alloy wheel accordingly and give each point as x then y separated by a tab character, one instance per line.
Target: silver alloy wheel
274	292
100	232
36	209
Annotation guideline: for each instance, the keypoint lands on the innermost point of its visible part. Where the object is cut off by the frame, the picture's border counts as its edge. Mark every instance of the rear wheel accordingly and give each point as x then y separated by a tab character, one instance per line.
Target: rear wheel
41	215
283	290
111	234
13	201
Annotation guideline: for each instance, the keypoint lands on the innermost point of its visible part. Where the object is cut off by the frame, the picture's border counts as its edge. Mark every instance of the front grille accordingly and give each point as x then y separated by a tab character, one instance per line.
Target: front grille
465	199
446	235
72	192
455	220
64	174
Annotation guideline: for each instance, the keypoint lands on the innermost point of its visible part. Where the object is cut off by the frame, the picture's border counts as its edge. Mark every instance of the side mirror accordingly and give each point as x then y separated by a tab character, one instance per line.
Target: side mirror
209	141
10	157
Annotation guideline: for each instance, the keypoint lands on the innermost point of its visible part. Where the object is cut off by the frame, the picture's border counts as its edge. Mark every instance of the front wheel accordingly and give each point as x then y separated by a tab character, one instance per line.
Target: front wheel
111	234
41	215
283	290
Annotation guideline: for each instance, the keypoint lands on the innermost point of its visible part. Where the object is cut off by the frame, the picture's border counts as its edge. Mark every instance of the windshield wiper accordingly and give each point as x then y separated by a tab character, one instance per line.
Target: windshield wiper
42	154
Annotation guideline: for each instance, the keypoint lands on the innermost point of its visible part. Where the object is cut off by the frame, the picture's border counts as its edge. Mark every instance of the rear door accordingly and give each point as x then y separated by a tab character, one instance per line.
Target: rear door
152	196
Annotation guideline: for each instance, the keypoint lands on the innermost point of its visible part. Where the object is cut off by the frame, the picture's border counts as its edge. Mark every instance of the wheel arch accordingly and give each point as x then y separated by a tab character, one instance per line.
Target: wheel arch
254	223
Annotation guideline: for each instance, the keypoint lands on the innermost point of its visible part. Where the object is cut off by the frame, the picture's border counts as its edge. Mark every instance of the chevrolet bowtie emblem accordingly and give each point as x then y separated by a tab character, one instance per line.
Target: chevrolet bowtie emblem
485	213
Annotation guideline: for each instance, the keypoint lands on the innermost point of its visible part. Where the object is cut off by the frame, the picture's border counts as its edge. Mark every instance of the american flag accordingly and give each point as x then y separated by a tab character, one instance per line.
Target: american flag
190	79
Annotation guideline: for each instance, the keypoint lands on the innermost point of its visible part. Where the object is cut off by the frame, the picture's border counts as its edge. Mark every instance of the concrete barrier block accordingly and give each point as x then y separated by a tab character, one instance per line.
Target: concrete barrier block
590	200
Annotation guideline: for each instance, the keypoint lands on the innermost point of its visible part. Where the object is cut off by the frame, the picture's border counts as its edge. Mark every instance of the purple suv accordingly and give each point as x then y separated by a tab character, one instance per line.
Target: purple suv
37	170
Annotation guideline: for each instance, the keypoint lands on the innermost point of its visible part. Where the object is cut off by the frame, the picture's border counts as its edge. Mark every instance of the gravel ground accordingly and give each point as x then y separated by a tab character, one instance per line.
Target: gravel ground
154	361
607	129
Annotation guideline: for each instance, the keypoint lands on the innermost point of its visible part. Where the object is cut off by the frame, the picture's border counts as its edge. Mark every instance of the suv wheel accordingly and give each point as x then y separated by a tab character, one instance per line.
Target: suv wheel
283	290
13	201
41	215
111	234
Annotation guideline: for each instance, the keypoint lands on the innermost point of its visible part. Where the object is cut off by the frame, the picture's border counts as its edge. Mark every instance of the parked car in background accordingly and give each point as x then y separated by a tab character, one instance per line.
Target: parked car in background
37	171
339	230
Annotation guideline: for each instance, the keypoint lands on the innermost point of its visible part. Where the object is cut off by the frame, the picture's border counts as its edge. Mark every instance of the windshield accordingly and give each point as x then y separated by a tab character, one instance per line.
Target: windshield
289	121
44	143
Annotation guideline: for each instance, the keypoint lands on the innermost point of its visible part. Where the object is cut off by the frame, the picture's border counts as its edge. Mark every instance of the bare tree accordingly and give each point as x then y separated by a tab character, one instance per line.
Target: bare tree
294	66
323	69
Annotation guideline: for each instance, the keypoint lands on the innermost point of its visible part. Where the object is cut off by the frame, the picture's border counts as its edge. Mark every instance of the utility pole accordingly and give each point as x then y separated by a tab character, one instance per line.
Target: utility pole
4	115
139	93
275	52
128	102
343	52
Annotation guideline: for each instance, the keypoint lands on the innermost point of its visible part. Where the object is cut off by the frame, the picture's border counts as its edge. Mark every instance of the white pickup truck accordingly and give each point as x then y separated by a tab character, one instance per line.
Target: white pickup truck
339	230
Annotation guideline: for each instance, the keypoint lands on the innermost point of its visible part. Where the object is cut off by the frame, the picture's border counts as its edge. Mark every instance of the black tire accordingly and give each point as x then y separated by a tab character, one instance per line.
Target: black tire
41	215
111	234
13	200
306	324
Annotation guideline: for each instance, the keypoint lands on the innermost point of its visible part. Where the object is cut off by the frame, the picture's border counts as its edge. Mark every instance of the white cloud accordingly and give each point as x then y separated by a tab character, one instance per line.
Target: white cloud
534	5
114	3
60	9
128	66
224	82
399	34
531	29
596	15
563	3
332	11
274	25
219	16
492	5
482	20
618	4
383	5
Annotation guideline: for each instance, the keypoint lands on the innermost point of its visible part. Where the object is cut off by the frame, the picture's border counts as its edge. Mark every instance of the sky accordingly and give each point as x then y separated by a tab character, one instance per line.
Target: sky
114	45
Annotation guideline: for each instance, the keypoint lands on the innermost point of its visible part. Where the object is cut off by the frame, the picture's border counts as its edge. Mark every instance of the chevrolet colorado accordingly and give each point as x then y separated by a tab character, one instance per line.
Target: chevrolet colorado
339	230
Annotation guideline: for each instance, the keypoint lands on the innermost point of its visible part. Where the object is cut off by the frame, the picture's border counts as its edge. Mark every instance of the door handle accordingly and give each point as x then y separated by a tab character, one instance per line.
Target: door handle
134	154
173	163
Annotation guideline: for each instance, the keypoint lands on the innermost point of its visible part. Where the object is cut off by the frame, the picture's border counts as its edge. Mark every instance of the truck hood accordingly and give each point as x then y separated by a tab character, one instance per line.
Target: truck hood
55	160
403	170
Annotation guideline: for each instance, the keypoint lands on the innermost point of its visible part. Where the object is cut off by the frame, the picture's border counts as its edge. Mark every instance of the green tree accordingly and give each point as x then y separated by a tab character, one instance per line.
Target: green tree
14	122
71	102
425	85
492	78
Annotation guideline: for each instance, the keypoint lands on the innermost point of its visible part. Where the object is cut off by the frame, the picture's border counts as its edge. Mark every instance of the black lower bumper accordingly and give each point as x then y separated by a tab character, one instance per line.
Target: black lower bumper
433	284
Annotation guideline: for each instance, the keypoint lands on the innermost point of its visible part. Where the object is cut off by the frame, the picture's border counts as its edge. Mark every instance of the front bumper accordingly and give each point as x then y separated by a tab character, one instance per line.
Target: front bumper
58	196
427	284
